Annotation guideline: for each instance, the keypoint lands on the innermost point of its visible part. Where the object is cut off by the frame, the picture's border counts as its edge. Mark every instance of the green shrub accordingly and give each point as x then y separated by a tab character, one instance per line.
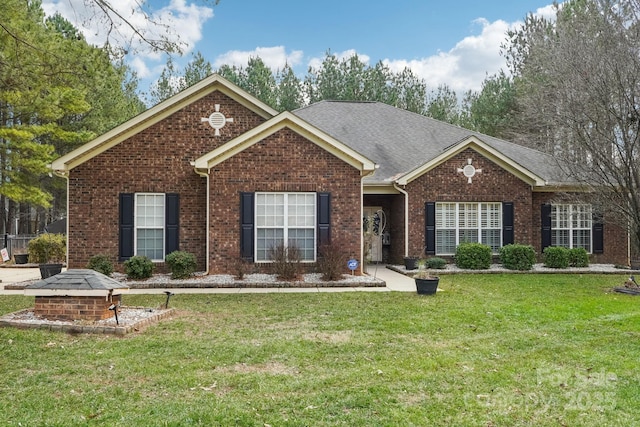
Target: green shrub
101	264
578	257
138	267
48	248
517	257
435	263
182	264
556	257
473	256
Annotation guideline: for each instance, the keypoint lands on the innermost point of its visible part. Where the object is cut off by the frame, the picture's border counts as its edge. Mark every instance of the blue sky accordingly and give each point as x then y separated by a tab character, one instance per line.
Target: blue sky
455	43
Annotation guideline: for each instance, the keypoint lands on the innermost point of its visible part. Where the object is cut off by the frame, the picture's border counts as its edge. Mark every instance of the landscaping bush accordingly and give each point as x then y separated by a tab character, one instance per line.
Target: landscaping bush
241	267
138	267
517	257
332	261
556	257
182	264
286	261
48	248
435	263
578	257
101	264
473	256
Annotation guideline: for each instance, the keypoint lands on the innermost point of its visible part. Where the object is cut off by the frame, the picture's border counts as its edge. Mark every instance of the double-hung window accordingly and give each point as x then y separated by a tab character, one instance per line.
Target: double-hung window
457	223
150	225
571	226
287	219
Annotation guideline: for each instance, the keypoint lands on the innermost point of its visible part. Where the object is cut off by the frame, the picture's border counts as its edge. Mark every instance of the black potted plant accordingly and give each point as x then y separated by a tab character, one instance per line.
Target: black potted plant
411	262
426	283
49	251
21	257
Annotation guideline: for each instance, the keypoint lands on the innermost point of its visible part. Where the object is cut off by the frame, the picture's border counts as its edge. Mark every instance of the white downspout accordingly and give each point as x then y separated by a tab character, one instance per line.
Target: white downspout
406	218
207	245
65	175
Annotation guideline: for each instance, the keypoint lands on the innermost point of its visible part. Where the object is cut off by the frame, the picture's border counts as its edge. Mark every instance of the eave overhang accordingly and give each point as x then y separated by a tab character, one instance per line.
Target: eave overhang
483	149
157	113
296	124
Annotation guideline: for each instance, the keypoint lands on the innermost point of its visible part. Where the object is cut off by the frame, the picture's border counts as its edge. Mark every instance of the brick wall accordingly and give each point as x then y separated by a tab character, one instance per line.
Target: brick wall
615	237
158	160
155	160
282	162
75	308
445	184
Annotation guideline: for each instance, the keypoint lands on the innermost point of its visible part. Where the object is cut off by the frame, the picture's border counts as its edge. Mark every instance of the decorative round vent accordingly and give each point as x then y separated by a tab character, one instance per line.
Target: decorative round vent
217	120
469	171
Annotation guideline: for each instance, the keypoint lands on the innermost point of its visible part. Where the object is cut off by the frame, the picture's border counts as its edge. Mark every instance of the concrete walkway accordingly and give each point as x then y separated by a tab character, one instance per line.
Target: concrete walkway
395	282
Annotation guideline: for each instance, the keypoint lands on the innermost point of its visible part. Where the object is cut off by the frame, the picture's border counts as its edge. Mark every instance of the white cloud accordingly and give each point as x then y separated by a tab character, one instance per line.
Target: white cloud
274	57
466	65
179	21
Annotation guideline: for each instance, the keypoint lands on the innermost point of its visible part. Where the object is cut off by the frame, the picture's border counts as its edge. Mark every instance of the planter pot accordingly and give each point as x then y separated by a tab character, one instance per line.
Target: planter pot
48	270
21	258
410	263
427	286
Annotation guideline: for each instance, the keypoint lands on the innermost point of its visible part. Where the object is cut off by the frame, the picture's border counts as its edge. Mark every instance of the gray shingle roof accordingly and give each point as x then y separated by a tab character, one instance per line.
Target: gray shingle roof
400	141
77	280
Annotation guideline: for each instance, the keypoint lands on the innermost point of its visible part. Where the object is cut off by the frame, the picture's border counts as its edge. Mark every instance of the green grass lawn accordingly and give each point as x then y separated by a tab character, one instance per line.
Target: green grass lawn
492	350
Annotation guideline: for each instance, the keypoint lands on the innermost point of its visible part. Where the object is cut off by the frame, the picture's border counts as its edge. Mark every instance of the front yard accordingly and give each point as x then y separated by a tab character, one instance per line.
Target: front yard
491	350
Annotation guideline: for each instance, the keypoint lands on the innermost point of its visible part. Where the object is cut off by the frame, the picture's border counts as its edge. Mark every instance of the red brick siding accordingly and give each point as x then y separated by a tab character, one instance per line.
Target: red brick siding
282	162
75	308
445	184
615	237
154	160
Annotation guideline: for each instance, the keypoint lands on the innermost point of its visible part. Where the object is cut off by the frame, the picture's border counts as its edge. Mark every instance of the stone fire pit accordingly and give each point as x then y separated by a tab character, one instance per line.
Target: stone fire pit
76	295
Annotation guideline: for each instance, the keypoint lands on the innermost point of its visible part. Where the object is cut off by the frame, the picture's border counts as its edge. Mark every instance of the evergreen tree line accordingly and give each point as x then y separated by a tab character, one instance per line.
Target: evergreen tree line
351	79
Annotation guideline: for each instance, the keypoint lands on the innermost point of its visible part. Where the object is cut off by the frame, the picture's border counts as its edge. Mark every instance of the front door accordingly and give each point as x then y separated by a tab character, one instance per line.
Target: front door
373	227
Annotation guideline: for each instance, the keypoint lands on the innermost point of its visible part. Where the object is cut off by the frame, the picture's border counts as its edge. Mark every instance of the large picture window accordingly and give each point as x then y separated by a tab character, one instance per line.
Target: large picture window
457	223
150	225
285	218
571	226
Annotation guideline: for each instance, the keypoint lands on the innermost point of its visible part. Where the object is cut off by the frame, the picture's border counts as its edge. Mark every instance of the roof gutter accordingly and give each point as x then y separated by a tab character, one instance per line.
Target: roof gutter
406	218
207	245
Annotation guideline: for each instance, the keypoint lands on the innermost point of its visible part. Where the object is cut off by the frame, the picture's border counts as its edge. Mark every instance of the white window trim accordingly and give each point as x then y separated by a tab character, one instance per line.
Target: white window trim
479	220
286	227
136	227
571	229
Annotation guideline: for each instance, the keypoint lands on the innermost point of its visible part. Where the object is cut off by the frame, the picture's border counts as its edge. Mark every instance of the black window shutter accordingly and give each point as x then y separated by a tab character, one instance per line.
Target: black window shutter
430	228
507	223
598	235
172	222
324	218
125	245
246	226
545	218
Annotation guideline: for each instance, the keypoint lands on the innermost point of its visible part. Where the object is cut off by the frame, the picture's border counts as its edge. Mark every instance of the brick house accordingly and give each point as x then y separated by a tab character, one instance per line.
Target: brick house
216	172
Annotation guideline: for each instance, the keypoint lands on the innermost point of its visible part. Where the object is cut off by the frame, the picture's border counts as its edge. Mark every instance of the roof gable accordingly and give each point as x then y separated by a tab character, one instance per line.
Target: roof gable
482	148
403	142
157	113
285	120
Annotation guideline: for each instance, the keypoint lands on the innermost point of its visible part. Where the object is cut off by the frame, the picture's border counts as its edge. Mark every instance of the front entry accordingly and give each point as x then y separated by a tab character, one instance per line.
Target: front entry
374	223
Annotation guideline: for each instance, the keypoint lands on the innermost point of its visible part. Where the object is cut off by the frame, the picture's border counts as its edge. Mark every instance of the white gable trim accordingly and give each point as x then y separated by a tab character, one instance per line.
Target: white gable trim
482	148
293	122
157	113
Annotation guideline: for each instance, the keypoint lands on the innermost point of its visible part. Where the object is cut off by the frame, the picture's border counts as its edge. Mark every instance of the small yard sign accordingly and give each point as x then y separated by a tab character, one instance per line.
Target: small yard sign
352	264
